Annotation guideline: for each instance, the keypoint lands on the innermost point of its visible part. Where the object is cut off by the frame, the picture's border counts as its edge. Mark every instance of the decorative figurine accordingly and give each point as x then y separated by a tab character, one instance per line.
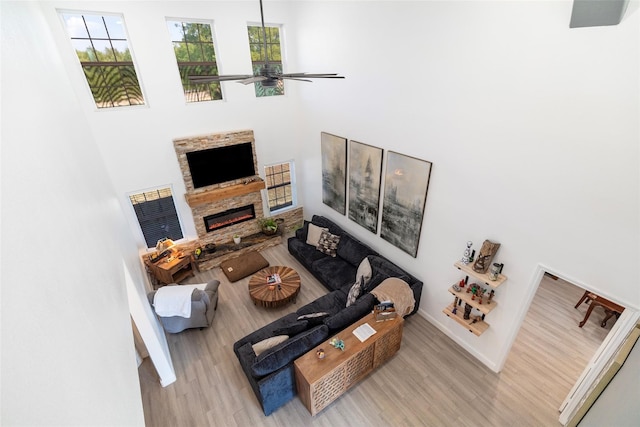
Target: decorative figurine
467	256
467	311
337	343
491	294
485	256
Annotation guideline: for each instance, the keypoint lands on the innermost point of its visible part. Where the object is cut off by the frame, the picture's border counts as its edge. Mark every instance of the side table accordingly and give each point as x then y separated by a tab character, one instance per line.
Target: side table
174	271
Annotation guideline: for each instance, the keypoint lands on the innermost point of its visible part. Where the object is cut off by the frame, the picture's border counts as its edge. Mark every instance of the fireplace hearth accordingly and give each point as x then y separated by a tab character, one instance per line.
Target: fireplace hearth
229	217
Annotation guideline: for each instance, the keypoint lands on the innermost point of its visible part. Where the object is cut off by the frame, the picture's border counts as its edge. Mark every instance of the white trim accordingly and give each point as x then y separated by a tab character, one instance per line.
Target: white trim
294	191
598	364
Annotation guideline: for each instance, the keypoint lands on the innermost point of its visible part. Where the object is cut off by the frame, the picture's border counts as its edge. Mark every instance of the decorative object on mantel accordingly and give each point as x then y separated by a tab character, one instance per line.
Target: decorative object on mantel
365	175
405	194
237	239
485	256
334	165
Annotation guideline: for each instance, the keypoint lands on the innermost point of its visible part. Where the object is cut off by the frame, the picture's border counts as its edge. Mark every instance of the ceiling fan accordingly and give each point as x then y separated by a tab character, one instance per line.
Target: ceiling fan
267	76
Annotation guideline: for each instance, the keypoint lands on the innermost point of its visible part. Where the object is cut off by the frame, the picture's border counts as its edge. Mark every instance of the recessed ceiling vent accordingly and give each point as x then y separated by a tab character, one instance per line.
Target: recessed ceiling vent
596	13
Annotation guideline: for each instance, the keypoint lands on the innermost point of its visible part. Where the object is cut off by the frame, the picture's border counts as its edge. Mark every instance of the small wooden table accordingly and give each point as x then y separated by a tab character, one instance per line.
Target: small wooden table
167	272
278	294
321	381
610	307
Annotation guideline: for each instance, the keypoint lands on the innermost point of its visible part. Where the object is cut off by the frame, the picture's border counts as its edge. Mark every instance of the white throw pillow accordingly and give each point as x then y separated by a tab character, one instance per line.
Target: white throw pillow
364	270
313	234
265	345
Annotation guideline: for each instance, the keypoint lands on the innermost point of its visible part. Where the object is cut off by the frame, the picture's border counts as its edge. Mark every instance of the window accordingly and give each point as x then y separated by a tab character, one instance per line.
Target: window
101	45
195	53
256	46
280	186
157	215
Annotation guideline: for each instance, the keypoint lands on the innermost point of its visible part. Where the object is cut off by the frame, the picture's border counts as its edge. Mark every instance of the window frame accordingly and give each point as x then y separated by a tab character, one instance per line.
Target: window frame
132	208
258	86
292	184
214	39
86	84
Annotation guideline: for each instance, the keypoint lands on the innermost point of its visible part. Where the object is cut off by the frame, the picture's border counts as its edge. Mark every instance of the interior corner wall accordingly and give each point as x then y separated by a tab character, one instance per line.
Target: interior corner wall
532	128
67	346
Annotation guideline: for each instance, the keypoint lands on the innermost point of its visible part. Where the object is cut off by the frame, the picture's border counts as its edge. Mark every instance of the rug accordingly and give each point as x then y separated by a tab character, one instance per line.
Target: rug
243	266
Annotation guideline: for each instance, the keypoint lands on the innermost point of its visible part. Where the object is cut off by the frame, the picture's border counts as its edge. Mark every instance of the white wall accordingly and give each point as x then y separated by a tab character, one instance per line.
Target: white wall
67	346
532	129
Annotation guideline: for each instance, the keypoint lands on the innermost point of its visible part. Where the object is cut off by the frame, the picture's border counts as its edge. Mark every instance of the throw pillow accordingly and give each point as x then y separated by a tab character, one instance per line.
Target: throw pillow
292	329
265	345
328	243
314	319
355	290
313	234
365	271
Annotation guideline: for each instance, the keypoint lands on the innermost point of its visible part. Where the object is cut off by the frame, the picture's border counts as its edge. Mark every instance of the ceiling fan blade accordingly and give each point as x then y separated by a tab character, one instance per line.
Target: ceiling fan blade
207	79
315	76
285	77
253	79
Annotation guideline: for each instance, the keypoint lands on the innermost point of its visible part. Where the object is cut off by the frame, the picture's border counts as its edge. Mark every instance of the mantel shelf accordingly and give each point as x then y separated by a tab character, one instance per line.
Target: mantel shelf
197	199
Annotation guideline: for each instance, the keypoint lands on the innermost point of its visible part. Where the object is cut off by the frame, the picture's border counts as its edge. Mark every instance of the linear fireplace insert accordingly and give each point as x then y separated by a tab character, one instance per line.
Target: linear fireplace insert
229	217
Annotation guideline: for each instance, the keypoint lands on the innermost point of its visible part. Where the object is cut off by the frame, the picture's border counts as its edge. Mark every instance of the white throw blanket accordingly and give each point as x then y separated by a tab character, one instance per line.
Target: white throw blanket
175	300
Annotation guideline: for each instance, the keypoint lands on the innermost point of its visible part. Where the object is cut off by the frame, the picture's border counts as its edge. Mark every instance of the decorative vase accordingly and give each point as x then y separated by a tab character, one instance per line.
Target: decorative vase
237	239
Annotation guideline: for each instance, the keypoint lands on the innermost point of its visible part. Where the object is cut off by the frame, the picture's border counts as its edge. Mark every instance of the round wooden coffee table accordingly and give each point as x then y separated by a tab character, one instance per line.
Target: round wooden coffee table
277	294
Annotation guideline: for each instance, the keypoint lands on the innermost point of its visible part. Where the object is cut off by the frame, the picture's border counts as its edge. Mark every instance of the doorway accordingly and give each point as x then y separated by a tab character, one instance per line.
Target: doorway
551	351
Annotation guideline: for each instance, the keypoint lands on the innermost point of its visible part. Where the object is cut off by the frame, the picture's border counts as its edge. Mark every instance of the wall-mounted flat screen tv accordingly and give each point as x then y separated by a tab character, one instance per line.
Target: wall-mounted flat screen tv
221	164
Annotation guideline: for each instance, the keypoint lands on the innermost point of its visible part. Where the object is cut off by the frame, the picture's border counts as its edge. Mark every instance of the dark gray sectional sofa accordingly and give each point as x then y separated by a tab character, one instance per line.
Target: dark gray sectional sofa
271	374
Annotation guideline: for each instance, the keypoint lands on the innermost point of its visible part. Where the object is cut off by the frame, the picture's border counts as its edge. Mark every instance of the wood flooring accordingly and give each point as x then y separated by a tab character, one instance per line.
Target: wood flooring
431	381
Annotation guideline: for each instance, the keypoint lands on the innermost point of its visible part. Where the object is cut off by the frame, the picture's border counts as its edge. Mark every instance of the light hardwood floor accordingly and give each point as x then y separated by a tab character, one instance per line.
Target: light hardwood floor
430	382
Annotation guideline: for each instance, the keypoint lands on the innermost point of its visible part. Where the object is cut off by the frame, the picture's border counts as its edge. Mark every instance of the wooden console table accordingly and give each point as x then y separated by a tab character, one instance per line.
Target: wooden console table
321	381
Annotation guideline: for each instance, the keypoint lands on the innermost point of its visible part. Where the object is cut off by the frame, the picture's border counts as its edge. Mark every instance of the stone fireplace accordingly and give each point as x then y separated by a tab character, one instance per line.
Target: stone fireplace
222	210
225	199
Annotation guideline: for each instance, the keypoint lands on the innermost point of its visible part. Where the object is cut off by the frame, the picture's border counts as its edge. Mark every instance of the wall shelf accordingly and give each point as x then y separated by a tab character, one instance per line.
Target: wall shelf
475	323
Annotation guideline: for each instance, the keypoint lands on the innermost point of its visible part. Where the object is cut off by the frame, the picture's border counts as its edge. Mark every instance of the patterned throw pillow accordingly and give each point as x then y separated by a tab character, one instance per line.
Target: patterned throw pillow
328	243
355	291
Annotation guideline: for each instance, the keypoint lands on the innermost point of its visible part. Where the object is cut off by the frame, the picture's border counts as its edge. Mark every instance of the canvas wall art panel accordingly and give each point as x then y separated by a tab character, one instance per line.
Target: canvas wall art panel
334	167
405	194
365	174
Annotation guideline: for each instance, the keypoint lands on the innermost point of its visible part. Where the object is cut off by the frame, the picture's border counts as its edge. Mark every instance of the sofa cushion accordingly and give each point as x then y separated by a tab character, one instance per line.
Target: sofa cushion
321	221
355	291
351	314
313	319
334	272
293	328
328	243
268	343
314	233
286	352
306	253
382	269
329	303
352	250
364	271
